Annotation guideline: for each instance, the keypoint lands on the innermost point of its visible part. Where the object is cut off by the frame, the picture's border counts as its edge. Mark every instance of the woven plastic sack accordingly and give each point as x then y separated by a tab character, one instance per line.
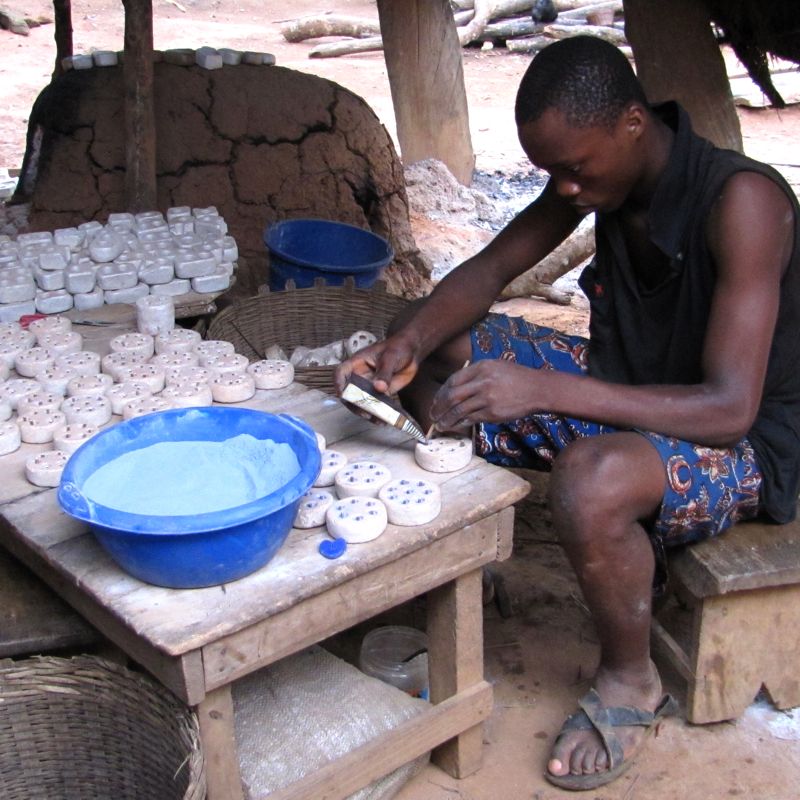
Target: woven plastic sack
295	716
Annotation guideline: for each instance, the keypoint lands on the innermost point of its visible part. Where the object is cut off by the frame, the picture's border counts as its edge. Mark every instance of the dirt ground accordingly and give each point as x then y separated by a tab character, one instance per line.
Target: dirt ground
539	658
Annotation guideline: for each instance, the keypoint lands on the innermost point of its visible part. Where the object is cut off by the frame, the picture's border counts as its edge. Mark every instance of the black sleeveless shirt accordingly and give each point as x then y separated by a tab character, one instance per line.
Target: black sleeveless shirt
656	335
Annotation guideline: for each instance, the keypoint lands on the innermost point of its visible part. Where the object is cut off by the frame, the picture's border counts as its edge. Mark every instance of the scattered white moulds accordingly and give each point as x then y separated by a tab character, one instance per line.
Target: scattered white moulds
144	405
232	387
44	469
411	502
444	454
115	362
130	295
169	360
312	508
271	373
105	58
126	259
256	58
5	410
121	393
82	385
55	379
207	348
16	310
180	56
230	56
14	389
49	281
86	300
49	401
52	324
189	375
187	395
28	362
361	479
92	409
356	519
178	340
69	237
208	58
150	375
139	344
173	288
80	277
53	302
84	362
10	439
113	276
38	425
216	281
228	363
69	438
82	61
60	343
16	285
331	462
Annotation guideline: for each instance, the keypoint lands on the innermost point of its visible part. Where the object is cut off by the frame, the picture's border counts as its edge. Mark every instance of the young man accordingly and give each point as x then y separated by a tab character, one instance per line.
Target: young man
678	416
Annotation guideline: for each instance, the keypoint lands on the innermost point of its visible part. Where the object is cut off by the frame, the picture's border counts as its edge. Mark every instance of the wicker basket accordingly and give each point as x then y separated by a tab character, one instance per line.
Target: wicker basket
84	728
312	317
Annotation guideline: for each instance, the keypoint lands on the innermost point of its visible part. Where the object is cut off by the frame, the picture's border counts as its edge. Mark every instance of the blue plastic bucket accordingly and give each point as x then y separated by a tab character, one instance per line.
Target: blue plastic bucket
190	551
304	249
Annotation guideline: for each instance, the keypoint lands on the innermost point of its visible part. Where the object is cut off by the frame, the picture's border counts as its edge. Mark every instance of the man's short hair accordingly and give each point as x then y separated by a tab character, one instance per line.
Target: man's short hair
589	80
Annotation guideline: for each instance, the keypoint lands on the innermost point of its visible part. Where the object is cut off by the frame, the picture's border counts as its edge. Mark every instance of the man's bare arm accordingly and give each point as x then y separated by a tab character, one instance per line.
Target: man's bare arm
750	235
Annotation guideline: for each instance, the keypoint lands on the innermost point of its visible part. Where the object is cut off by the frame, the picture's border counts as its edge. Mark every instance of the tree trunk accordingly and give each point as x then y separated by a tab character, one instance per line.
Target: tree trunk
63	33
539	279
140	121
313	27
693	73
346	47
423	60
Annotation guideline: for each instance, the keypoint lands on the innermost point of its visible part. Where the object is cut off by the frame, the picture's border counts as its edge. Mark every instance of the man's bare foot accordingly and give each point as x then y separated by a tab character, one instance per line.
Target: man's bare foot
581	752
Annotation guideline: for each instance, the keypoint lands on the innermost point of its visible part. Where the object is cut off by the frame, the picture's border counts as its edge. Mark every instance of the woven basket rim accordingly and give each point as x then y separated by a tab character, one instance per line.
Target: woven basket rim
36	691
299	316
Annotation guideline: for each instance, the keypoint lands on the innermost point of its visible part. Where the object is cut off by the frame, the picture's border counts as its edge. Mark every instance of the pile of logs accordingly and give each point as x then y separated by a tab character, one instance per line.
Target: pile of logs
522	26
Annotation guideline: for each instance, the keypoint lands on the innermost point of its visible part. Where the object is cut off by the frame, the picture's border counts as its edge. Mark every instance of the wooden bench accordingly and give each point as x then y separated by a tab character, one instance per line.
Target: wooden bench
743	591
33	619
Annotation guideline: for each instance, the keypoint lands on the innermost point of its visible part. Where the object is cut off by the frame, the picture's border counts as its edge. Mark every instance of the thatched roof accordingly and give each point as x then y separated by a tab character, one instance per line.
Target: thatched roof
756	30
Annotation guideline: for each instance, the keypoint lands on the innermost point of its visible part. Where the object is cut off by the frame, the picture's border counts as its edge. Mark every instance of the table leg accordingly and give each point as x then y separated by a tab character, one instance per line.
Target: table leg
215	714
455	650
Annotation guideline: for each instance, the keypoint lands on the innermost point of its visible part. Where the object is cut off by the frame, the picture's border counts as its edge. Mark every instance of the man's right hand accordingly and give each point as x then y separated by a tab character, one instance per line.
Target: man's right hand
390	365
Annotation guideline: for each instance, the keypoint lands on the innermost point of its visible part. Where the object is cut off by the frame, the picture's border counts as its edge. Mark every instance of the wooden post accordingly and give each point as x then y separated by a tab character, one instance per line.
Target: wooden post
217	734
140	123
455	649
62	11
677	58
426	76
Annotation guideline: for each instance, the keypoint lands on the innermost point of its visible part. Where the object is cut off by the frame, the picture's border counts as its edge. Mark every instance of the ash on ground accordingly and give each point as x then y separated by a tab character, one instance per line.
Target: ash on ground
452	222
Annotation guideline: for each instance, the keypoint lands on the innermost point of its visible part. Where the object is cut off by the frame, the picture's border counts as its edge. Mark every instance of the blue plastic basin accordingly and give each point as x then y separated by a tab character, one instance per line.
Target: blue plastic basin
304	249
190	551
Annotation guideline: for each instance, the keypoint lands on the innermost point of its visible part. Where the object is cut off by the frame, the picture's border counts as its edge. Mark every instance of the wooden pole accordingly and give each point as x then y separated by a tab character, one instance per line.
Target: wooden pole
62	10
140	123
426	76
693	73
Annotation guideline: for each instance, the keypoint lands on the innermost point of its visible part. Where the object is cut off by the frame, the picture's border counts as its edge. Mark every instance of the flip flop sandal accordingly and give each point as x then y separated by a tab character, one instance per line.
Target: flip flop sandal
595	716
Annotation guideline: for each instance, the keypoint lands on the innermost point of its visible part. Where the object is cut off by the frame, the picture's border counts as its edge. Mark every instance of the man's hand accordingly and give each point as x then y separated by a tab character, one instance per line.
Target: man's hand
488	391
390	365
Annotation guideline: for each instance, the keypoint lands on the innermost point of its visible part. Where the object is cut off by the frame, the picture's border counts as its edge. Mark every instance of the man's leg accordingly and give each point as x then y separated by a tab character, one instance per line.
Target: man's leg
601	489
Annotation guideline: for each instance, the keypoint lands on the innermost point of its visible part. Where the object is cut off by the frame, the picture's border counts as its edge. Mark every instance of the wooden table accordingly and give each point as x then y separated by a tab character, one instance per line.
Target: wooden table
198	642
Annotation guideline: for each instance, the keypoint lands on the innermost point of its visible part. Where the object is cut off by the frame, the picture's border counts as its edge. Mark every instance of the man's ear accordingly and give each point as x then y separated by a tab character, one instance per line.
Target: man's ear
634	119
